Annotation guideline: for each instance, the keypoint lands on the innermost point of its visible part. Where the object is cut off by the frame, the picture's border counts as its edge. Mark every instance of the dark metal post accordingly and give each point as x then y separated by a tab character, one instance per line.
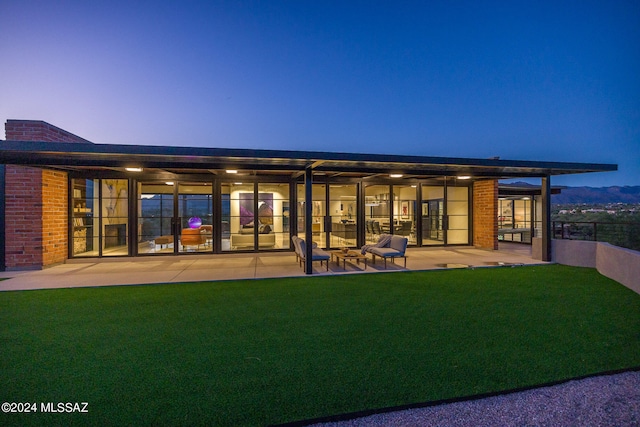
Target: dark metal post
216	235
308	220
360	215
418	215
293	211
546	218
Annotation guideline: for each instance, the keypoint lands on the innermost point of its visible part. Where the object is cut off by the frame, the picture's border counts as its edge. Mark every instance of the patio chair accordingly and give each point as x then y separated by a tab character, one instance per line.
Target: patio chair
296	248
396	249
317	254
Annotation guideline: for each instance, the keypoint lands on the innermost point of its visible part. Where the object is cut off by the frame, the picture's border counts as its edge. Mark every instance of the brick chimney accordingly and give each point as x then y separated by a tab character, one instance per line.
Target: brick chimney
36	202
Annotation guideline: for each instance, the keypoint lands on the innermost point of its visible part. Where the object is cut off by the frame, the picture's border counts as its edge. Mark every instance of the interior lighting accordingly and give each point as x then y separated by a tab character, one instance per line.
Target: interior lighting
464	177
231	171
395	175
169	182
133	169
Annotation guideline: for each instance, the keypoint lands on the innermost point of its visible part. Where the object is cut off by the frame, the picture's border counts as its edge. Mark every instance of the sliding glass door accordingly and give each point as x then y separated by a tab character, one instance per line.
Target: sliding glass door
255	216
344	218
155	234
174	217
195	217
432	215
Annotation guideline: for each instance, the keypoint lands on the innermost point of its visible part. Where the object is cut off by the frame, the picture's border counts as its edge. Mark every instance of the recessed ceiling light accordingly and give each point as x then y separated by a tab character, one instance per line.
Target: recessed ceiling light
133	169
464	177
395	175
231	171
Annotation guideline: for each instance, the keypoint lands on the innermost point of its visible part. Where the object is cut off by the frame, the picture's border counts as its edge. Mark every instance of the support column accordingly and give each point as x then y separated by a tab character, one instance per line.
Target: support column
361	215
546	218
308	220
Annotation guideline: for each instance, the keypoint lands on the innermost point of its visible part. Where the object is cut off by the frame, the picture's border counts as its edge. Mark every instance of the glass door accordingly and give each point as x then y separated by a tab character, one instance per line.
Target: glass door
404	212
377	209
195	217
238	218
155	233
318	212
342	209
432	215
174	217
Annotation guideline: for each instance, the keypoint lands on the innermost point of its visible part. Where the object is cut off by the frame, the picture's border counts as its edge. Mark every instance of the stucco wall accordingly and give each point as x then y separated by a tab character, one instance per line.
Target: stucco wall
619	264
579	253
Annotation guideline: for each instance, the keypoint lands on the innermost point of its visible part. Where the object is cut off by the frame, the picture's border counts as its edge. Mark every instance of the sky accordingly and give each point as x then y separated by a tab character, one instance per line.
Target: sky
536	80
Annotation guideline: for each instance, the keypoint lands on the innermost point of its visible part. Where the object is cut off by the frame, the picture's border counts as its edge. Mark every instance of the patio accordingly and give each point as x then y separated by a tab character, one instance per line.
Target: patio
149	270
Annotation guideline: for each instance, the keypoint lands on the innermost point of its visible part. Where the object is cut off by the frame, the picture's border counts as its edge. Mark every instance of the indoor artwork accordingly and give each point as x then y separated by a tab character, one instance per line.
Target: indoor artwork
265	208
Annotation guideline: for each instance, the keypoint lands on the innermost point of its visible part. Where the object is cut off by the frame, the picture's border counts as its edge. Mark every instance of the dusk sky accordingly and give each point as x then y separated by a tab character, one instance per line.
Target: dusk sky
538	80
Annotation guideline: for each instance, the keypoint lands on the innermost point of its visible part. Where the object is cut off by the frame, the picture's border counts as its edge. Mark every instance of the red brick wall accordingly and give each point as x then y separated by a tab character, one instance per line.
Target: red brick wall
485	214
37	130
54	217
36	204
23	217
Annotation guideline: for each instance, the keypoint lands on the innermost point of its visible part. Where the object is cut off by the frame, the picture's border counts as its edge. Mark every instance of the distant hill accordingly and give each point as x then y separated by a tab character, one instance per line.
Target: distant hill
626	194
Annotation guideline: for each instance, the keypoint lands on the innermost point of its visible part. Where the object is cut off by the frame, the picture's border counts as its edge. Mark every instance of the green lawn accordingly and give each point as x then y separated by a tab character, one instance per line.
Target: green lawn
259	352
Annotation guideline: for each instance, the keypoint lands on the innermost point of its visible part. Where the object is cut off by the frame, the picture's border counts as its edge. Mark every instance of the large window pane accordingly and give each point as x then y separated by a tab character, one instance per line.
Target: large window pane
241	216
100	217
195	211
342	208
115	217
404	211
273	216
85	219
458	213
318	210
432	215
155	212
376	211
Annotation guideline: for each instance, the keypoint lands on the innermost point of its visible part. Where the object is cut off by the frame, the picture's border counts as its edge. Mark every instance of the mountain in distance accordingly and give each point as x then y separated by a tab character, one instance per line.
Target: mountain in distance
597	195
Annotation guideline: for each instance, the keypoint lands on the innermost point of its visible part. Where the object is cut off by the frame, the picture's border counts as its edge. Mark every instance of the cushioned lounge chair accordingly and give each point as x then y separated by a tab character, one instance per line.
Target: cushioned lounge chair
318	254
396	249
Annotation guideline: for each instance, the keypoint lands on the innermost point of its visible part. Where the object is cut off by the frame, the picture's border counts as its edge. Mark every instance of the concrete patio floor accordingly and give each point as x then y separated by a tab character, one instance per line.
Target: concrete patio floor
167	269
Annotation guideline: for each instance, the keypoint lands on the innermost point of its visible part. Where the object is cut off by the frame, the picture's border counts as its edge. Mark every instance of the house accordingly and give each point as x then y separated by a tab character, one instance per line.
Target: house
65	197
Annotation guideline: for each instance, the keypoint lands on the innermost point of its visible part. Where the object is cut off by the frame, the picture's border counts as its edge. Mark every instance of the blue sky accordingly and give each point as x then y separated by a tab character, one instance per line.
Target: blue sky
544	80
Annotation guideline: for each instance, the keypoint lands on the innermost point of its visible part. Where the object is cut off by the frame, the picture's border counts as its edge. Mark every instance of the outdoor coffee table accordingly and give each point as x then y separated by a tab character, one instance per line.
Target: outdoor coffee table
351	255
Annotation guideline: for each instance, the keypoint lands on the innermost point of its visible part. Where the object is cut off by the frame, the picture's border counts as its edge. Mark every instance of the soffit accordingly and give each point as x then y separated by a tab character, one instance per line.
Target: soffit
263	162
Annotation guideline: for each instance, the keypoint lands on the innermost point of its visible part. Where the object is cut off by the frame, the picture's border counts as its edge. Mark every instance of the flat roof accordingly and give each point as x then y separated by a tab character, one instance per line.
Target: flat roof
81	156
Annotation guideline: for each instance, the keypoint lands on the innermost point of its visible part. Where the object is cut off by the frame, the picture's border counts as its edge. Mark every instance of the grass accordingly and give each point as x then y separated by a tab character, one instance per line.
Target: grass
273	351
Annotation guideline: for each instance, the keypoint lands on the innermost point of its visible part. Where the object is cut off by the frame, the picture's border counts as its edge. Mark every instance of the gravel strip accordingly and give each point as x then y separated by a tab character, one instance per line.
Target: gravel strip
609	400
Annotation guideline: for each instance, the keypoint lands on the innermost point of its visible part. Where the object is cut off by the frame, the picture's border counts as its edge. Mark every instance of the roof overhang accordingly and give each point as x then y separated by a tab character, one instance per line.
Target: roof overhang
523	189
79	156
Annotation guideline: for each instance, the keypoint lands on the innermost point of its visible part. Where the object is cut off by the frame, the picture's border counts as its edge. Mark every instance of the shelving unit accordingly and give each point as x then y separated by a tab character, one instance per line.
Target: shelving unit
82	217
